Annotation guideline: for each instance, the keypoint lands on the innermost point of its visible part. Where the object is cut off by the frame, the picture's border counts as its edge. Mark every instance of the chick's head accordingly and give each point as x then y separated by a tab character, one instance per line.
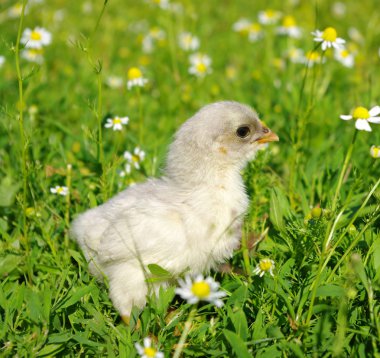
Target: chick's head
229	131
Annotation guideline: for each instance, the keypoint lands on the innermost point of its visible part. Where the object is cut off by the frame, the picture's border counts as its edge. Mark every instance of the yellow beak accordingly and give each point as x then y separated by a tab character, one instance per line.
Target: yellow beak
268	137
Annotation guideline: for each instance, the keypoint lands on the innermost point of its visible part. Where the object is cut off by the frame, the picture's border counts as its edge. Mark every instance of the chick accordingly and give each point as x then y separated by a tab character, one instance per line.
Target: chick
189	219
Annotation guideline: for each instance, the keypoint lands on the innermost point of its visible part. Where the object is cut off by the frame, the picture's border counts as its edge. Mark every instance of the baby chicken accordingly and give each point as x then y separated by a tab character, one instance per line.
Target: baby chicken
189	219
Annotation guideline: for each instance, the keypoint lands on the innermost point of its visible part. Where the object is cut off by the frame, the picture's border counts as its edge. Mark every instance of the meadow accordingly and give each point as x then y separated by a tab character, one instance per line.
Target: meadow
68	84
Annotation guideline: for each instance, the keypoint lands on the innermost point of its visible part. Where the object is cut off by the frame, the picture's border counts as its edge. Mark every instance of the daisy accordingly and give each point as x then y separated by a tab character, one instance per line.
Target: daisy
313	57
296	55
241	26
155	35
188	42
135	78
33	55
264	266
362	116
134	159
375	151
329	38
114	82
148	351
289	27
255	32
116	123
36	38
344	57
269	17
200	65
200	289
60	190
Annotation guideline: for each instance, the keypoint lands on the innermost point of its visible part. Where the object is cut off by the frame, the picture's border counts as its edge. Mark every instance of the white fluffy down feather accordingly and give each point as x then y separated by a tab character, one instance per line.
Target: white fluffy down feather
189	219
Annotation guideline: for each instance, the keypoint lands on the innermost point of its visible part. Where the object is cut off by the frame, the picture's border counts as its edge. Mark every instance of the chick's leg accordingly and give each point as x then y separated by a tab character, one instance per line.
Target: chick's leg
127	287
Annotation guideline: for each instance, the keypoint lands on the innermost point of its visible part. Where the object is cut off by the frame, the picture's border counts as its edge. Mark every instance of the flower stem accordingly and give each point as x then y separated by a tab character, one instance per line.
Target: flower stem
24	144
343	172
185	332
68	203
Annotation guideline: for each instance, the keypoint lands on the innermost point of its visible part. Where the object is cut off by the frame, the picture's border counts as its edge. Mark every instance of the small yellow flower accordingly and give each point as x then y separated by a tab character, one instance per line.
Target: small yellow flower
135	78
147	351
363	117
375	151
200	289
264	266
329	38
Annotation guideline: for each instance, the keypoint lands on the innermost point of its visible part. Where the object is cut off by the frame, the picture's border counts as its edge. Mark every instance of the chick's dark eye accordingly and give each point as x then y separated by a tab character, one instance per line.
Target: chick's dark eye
243	132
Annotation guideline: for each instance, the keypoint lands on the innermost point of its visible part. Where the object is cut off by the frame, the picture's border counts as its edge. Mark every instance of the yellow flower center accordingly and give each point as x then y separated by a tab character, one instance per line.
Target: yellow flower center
35	35
135	158
134	73
254	28
288	21
270	13
201	289
375	152
150	352
360	113
117	120
329	34
312	56
344	53
59	190
201	67
265	265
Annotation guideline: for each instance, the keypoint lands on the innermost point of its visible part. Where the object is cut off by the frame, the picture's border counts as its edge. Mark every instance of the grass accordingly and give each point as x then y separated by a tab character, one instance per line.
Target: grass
315	200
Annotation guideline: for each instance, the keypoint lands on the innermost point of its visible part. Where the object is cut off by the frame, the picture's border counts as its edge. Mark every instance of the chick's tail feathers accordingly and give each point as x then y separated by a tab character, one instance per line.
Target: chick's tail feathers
87	229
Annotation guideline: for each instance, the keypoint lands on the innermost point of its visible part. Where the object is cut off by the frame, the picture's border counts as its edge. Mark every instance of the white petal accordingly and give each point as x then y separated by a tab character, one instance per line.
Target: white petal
340	41
363	125
374	111
324	45
374	120
318	39
147	342
346	117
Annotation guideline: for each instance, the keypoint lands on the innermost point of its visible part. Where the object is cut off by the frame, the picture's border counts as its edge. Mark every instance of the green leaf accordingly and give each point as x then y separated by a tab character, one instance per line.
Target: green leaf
239	321
157	270
237	344
8	191
50	350
76	296
279	208
8	264
330	291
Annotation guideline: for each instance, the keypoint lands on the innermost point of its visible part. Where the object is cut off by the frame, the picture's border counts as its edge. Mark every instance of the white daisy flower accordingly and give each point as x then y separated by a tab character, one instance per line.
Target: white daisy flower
264	266
188	42
269	17
344	57
2	60
242	26
200	289
34	55
339	9
15	10
255	32
60	190
200	65
313	57
134	159
116	123
362	117
155	35
148	351
289	27
375	151
114	82
36	38
329	38
135	78
295	55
